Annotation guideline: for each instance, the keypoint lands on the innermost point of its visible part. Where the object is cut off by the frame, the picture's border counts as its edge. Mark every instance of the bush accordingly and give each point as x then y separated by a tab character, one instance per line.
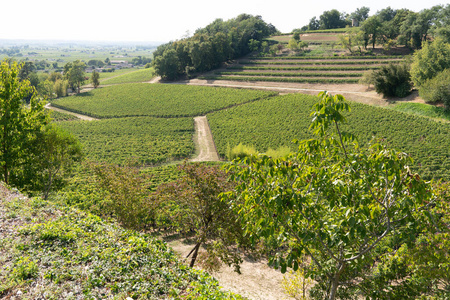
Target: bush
393	80
240	151
437	89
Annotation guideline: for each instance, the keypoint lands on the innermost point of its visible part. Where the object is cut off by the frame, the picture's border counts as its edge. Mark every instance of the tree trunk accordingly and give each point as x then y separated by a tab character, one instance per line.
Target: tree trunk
335	281
194	256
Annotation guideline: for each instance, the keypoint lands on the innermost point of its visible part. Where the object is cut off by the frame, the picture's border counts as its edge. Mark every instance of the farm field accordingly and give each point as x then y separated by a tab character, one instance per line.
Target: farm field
157	100
262	126
140	75
145	140
68	52
302	69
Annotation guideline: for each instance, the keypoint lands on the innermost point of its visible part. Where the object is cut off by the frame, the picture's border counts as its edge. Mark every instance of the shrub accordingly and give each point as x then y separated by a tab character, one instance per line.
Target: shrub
240	151
437	89
393	80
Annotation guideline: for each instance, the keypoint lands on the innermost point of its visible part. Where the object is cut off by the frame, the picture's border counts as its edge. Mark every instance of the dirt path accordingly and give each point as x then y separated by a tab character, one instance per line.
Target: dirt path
353	92
257	280
80	116
204	141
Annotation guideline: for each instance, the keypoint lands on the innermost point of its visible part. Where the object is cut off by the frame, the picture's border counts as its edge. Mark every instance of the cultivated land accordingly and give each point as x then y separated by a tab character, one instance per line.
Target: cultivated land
154	124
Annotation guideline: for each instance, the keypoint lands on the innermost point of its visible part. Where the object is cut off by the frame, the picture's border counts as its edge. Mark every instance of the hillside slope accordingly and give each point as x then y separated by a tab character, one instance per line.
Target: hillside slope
55	252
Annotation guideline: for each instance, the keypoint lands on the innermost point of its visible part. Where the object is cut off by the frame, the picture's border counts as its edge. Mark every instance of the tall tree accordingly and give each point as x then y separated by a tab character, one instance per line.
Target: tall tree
332	201
372	27
332	19
360	14
18	123
433	58
95	79
74	73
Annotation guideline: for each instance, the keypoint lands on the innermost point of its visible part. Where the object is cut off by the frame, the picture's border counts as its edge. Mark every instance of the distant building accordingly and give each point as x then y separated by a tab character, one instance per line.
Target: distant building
355	23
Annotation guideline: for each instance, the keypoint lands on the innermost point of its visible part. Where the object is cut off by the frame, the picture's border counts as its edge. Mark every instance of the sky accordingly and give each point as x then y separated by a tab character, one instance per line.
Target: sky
163	20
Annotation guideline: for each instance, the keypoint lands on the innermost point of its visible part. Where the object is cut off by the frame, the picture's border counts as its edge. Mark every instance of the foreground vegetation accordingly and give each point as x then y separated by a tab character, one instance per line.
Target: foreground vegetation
55	251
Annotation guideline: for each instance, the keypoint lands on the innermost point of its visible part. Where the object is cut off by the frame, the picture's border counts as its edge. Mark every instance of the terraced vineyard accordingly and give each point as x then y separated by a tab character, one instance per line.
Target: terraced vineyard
275	122
156	100
302	69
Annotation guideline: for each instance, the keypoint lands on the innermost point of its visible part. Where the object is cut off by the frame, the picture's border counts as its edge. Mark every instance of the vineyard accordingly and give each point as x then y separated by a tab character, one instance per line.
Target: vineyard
260	125
302	69
144	140
130	77
156	100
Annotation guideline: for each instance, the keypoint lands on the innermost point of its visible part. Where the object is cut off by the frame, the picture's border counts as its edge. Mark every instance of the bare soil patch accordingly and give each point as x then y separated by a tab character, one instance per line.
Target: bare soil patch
257	280
80	116
204	141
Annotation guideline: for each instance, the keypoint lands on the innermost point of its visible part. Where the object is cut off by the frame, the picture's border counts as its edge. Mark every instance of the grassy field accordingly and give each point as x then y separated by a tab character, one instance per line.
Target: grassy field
158	100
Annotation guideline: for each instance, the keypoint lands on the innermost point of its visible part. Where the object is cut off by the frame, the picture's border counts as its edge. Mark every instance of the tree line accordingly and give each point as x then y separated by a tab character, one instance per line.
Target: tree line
388	26
218	42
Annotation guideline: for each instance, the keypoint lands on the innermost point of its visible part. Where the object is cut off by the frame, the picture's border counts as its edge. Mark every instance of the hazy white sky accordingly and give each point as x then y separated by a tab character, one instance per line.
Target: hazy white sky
162	20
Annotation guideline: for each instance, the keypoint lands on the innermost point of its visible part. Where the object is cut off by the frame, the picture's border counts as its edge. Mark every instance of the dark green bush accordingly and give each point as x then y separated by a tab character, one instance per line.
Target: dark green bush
393	80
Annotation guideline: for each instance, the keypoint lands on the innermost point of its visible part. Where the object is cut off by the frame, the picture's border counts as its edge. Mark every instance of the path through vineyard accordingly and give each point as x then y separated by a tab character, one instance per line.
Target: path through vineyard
204	141
79	116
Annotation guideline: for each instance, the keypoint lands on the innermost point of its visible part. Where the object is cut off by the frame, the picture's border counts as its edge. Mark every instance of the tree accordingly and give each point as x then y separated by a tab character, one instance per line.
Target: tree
354	37
167	65
332	19
74	73
60	87
331	201
53	154
293	44
371	28
314	24
193	205
18	123
416	27
125	194
360	14
95	79
254	45
433	58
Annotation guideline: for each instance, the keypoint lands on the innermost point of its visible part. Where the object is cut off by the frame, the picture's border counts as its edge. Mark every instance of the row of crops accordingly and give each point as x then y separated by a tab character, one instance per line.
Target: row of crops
145	123
303	69
144	140
156	100
277	121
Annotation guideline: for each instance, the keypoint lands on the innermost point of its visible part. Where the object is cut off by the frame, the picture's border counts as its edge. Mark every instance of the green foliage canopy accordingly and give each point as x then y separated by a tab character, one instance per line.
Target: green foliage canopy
433	58
331	201
19	124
